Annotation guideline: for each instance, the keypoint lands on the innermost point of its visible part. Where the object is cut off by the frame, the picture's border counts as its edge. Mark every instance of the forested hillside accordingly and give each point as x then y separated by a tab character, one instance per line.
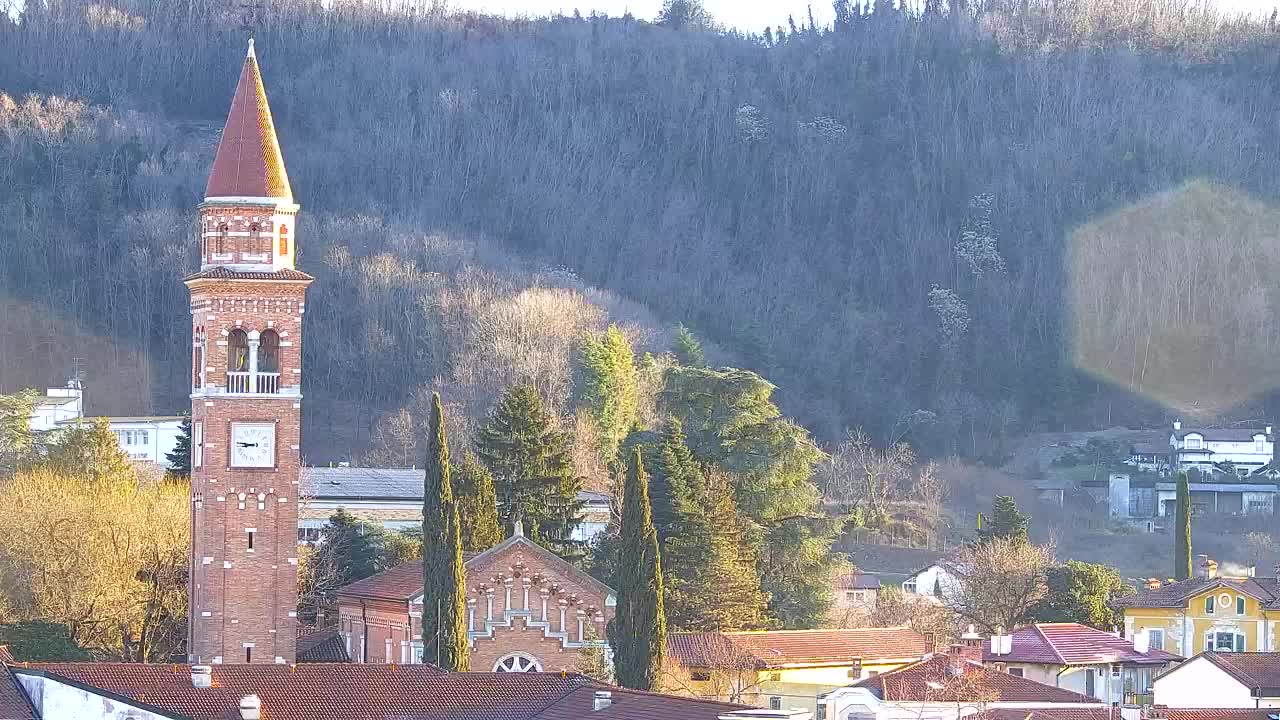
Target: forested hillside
877	216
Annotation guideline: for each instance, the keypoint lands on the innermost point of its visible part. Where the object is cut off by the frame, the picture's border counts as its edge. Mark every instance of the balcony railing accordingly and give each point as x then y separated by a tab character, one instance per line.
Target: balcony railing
253	383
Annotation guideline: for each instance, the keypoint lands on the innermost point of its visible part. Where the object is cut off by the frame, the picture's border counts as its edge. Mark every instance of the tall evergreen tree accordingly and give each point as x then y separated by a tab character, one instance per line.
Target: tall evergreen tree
638	631
18	442
1005	521
709	563
532	471
608	388
444	603
1182	530
675	481
687	348
477	506
180	457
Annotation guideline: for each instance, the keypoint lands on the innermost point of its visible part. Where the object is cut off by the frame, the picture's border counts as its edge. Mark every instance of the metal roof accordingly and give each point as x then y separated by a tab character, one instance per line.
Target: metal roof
374	484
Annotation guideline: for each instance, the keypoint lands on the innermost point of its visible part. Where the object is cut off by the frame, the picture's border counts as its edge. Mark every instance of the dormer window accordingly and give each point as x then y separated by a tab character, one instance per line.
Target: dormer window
1194	442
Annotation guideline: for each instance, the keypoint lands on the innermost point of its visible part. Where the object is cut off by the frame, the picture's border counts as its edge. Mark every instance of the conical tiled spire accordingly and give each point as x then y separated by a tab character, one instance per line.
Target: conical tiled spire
248	163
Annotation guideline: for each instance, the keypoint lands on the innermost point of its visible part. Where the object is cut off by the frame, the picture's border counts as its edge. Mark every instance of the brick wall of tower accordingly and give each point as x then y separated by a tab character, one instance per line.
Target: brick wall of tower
239	595
227	234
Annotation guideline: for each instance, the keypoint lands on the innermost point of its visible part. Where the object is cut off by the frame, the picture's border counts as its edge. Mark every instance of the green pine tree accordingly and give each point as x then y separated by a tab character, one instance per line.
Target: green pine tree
1082	593
444	593
1005	521
608	388
180	457
709	564
676	478
1182	530
532	471
687	348
18	442
477	506
348	550
638	631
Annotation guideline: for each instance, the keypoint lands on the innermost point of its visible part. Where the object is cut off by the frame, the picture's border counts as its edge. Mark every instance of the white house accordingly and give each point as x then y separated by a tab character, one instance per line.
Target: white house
1231	680
1076	657
933	582
1248	449
146	438
58	405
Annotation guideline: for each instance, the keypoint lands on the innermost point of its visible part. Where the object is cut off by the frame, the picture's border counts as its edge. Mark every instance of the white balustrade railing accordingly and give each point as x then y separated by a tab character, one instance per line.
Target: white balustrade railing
253	383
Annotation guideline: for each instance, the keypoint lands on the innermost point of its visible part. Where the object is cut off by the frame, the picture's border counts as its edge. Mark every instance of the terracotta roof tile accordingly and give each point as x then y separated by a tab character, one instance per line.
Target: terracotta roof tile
781	648
222	273
1098	713
933	680
634	705
328	691
248	162
322	646
1216	714
1072	644
1176	594
14	704
857	581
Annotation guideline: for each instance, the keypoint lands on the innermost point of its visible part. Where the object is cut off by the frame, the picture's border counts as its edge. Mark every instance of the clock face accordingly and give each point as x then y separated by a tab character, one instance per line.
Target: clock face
253	445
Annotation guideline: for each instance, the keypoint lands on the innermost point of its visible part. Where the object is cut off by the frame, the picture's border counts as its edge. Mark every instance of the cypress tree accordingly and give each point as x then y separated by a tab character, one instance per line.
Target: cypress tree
477	506
638	632
1182	530
444	636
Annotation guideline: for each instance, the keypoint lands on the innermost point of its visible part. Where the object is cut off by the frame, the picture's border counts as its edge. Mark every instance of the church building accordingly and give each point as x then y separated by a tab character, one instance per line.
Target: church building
247	302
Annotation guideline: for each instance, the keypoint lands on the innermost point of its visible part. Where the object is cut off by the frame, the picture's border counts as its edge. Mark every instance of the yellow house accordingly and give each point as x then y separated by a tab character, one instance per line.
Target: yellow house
1224	614
784	669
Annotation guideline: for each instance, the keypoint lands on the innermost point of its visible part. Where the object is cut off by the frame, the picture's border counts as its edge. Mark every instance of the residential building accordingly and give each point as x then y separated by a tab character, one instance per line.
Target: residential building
1245	449
326	691
392	498
247	302
784	669
854	596
1207	612
1150	456
1230	680
1086	660
933	581
527	610
1217	492
950	685
58	405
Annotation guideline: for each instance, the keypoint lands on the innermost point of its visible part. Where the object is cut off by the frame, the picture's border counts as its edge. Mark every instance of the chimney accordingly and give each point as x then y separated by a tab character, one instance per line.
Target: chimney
931	639
971	647
1202	565
855	668
1251	570
602	700
1268	429
250	708
1177	424
955	660
1211	569
1153	583
201	676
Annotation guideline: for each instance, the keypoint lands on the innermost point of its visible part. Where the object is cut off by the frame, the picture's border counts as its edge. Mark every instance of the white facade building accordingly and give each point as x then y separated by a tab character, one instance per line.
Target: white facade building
1248	449
1232	680
58	405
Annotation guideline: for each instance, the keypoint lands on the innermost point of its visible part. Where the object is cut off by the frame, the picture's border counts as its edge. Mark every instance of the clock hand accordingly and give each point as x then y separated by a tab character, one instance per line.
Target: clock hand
245	444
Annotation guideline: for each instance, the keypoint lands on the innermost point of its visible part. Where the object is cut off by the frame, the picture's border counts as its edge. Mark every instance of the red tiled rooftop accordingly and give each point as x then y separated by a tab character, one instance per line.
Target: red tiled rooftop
933	680
322	646
248	162
1072	644
634	705
1216	714
1098	713
372	692
222	273
14	704
781	648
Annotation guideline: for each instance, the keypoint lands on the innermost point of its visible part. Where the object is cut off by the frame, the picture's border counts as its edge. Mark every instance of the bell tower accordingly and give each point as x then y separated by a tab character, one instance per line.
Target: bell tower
247	302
